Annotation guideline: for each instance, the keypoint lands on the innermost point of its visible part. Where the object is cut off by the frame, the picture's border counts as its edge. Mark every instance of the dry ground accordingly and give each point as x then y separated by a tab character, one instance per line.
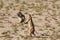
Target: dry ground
45	13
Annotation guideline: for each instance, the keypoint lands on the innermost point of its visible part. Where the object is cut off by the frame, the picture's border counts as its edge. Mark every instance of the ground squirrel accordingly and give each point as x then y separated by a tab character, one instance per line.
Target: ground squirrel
31	26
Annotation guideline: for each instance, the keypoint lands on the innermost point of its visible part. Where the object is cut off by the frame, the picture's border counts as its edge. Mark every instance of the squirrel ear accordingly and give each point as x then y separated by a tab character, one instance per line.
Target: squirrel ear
29	15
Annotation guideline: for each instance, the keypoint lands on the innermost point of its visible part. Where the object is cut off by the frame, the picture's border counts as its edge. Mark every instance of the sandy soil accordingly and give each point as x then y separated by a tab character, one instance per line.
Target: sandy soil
46	18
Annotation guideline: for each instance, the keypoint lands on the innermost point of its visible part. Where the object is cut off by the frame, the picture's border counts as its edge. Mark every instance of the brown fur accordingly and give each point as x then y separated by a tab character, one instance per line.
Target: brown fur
31	26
